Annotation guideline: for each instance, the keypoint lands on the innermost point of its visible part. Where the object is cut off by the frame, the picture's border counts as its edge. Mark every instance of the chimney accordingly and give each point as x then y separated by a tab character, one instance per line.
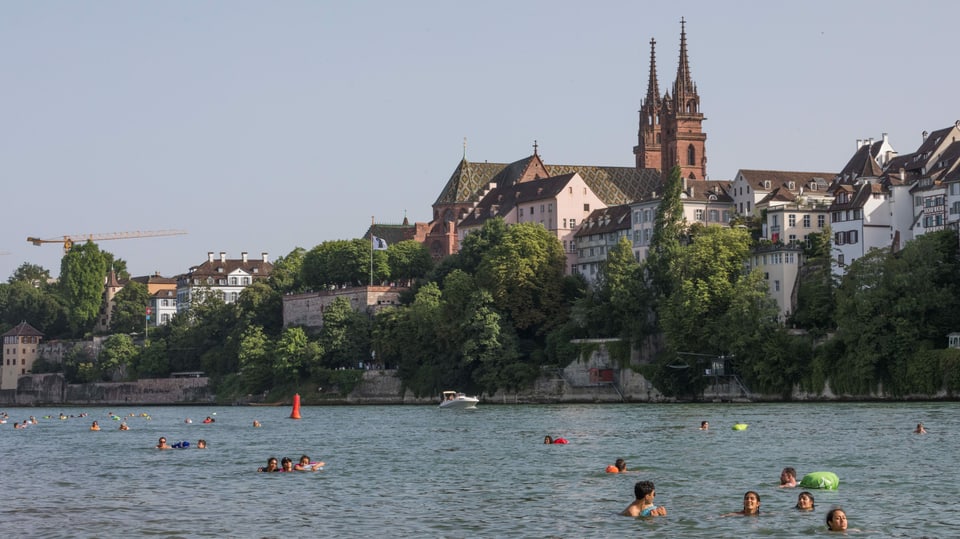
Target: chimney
859	143
243	255
884	138
265	257
223	257
924	136
209	256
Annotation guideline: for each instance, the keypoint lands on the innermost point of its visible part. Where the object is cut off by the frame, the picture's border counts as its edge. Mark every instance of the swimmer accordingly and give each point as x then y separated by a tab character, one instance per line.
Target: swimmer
271	466
95	426
286	464
805	502
547	440
162	444
201	444
704	425
619	466
123	426
837	520
788	477
919	429
256	423
306	466
751	505
188	421
209	420
643	506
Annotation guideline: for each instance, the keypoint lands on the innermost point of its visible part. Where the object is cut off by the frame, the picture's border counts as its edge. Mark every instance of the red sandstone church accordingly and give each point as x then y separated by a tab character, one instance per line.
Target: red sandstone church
562	196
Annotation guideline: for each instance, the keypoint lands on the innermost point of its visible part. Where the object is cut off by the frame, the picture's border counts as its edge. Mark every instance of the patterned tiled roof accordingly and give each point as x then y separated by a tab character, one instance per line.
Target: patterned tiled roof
613	185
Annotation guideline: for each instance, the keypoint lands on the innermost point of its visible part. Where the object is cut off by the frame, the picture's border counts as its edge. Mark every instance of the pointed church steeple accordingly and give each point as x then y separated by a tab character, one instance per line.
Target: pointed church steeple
647	150
684	84
683	140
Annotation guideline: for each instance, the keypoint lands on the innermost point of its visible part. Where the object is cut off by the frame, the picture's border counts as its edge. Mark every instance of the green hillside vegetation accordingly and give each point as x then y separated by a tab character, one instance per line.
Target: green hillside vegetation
501	312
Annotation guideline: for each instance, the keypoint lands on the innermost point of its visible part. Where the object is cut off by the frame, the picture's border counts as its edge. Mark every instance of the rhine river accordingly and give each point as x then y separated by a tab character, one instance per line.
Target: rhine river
417	471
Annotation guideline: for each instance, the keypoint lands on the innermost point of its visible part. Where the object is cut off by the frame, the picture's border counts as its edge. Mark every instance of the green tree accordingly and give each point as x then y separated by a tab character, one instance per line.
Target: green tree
343	262
255	365
153	361
669	234
290	355
524	274
286	276
408	260
261	305
345	336
129	308
117	353
22	301
82	273
33	274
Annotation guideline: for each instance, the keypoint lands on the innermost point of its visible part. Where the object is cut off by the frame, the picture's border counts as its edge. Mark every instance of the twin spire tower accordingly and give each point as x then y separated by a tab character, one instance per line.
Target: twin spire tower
671	127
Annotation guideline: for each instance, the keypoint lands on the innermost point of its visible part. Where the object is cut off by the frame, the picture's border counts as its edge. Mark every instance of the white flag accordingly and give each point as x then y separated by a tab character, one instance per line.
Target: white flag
379	244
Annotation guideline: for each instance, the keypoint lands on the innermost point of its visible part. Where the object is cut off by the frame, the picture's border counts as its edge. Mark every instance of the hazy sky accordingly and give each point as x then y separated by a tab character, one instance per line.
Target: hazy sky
265	126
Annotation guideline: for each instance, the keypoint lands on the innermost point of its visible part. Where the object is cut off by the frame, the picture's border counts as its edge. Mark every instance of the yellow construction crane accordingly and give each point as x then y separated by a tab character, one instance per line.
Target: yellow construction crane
70	239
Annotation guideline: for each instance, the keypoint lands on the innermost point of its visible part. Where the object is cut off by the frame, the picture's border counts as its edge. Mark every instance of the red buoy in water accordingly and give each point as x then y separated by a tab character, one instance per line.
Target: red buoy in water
295	414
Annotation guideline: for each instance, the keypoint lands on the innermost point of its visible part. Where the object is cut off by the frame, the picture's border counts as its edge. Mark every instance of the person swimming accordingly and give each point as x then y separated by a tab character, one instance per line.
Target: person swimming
643	505
306	466
271	466
751	505
805	502
837	520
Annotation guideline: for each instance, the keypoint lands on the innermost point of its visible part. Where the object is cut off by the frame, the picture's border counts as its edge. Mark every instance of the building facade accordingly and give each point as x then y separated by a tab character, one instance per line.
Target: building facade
20	350
221	276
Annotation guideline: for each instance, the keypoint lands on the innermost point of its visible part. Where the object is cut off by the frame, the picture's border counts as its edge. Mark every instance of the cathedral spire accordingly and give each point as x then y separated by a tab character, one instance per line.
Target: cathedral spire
653	88
684	84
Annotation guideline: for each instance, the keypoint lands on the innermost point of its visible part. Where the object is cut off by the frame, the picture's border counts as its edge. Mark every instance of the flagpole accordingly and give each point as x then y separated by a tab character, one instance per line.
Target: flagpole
371	250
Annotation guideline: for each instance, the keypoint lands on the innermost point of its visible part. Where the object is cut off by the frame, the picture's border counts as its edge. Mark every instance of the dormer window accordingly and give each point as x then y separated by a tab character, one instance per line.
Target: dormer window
766	184
220	269
256	270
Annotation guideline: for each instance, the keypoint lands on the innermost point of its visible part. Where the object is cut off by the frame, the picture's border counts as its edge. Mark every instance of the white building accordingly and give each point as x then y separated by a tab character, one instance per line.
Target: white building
221	276
598	234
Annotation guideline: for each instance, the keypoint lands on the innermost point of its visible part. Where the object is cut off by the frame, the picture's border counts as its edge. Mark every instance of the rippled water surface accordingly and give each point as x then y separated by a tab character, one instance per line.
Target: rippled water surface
417	471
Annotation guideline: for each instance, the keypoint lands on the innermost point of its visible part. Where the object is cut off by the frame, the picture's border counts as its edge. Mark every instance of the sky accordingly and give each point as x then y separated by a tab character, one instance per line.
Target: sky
266	126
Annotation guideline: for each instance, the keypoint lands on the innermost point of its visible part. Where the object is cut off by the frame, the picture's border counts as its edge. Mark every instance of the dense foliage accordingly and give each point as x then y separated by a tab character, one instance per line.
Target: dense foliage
501	312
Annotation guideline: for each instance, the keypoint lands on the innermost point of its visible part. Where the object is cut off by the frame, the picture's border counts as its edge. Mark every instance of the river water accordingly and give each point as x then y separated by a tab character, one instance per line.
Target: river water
417	471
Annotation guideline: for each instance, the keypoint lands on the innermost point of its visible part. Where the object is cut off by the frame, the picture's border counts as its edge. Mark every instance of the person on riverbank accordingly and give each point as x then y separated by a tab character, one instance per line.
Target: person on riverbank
919	429
751	505
643	505
306	466
788	477
805	502
837	520
271	466
162	443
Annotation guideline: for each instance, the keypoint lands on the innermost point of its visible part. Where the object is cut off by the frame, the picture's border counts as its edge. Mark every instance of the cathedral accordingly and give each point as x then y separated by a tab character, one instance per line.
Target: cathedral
670	133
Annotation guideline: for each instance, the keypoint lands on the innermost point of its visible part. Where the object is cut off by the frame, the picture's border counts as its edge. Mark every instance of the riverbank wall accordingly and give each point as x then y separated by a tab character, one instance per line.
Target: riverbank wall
575	384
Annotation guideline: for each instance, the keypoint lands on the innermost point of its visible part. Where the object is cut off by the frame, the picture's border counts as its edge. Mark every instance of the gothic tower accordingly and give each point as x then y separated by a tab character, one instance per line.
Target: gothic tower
647	150
683	141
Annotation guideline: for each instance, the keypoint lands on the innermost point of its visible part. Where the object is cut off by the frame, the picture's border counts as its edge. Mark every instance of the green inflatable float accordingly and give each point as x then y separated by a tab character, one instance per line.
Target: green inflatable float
821	480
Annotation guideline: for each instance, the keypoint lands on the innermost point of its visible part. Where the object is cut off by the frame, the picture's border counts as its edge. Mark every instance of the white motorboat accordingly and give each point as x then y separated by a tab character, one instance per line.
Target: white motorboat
457	400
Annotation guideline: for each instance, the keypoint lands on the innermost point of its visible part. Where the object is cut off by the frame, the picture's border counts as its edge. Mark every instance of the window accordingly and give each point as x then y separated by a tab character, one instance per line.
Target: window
820	221
573	223
521	212
806	221
586	207
550	207
839	238
776	285
210	280
698	214
792	219
714	216
246	280
541	208
793	239
233	281
564	222
531	210
840	260
691	155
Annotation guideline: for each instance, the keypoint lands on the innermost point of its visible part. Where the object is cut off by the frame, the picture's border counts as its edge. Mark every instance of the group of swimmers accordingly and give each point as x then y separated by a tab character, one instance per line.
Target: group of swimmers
287	465
643	506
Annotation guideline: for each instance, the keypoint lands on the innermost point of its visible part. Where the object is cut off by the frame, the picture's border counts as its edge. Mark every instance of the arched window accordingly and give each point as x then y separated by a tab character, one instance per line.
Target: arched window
691	155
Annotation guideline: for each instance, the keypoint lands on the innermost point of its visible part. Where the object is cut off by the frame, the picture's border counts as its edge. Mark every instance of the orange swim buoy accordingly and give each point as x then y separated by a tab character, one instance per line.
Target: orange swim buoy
612	469
295	414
